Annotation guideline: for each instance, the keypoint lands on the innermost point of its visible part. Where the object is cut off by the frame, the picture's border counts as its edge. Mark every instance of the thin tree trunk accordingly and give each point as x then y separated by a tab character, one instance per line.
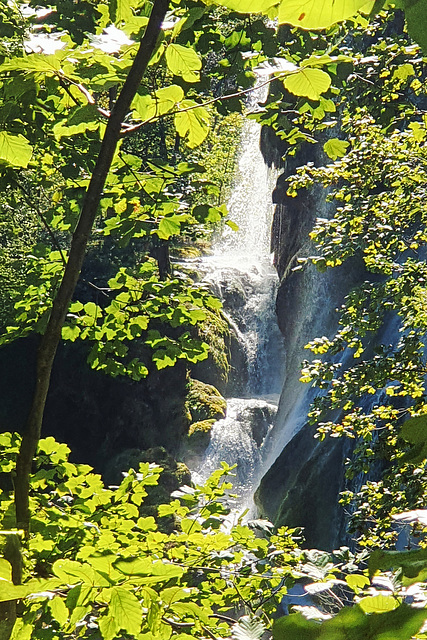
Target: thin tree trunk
50	340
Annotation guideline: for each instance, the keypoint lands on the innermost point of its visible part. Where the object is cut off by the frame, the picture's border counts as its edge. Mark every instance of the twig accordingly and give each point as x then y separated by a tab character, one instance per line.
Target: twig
209	632
248	604
221	617
178	625
139	125
100	289
43	220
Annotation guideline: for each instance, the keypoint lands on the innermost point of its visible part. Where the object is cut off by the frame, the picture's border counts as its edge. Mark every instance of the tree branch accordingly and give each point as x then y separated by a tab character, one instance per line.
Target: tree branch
127	128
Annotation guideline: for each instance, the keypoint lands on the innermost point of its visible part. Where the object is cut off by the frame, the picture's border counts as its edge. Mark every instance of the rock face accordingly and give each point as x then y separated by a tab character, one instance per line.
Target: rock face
305	477
96	415
301	489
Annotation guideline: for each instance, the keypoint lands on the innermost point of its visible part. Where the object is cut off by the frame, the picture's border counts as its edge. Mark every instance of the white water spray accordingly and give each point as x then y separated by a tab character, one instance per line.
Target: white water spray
241	273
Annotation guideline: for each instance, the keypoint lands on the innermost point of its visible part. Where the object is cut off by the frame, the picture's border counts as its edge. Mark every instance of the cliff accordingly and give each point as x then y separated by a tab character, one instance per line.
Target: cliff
305	477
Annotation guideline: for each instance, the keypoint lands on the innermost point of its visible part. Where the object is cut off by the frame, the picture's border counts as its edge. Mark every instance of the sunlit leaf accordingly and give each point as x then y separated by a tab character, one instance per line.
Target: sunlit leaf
335	148
313	14
15	149
168	228
59	610
126	610
356	581
192	123
378	604
310	14
5	570
108	627
184	62
307	82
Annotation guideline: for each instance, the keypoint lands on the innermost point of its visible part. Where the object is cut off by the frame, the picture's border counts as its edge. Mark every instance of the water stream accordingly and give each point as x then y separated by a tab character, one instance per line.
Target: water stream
240	271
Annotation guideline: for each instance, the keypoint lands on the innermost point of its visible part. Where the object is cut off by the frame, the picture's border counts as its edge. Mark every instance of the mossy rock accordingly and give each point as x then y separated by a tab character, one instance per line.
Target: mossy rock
201	427
205	405
187	251
204	402
199	436
215	331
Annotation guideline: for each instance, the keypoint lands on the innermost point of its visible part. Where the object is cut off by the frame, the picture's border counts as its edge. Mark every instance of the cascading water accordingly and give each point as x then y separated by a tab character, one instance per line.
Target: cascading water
241	273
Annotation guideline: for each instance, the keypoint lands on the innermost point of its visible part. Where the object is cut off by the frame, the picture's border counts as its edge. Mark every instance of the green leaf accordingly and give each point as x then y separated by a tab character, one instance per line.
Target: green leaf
414	431
120	10
357	581
126	609
404	71
35	63
162	101
313	14
108	627
62	130
418	131
308	82
59	610
9	591
5	570
378	604
295	626
70	332
73	572
168	228
183	62
413	564
193	125
352	623
415	14
163	359
335	148
173	594
310	14
167	97
190	610
91	309
15	150
145	567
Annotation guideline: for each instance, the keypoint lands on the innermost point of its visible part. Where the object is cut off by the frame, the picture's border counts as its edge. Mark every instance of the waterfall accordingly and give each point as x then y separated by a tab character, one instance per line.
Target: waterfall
241	273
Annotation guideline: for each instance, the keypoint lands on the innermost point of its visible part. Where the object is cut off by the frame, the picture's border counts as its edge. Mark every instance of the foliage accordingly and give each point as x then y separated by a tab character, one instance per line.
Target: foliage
19	231
95	565
403	623
381	218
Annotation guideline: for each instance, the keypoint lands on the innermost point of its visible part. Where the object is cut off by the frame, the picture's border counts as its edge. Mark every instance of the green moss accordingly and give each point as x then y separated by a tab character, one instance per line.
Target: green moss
205	405
201	428
215	331
186	251
204	402
199	436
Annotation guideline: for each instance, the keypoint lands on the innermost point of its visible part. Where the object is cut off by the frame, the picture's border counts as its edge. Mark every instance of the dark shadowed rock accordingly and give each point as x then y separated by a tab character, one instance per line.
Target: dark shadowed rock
302	489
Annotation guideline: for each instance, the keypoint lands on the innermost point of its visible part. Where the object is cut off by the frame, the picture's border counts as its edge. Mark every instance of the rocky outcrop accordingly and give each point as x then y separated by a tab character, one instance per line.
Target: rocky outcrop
302	486
305	477
205	405
96	415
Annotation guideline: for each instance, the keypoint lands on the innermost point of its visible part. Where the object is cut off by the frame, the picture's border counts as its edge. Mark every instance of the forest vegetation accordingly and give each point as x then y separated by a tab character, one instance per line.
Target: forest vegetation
110	116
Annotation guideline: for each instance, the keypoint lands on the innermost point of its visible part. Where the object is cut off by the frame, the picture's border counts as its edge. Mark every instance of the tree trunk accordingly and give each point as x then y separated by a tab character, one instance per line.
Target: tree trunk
50	340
